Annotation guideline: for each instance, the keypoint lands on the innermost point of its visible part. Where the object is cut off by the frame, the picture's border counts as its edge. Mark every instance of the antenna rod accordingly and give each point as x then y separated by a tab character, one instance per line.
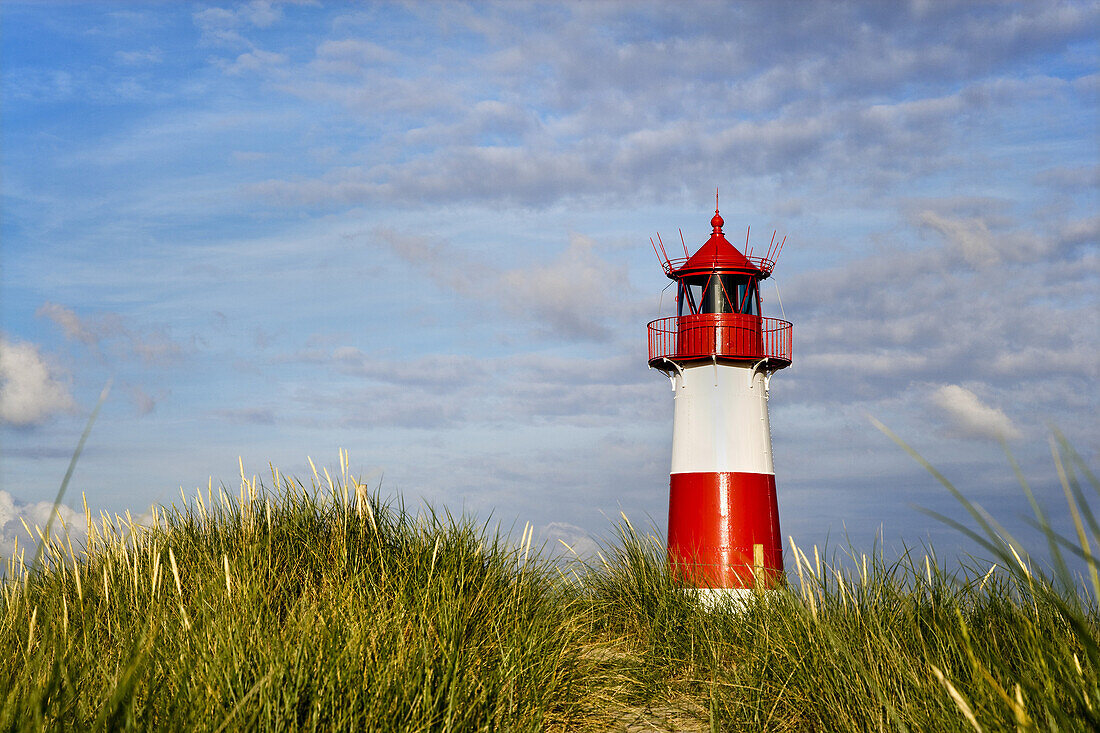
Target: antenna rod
662	245
654	246
780	247
684	244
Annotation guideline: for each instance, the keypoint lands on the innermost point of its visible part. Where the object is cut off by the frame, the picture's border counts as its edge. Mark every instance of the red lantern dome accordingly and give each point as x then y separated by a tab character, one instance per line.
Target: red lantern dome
717	255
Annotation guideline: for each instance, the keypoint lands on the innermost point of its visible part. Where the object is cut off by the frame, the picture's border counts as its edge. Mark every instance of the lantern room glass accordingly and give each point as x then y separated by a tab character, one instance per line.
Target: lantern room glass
718	293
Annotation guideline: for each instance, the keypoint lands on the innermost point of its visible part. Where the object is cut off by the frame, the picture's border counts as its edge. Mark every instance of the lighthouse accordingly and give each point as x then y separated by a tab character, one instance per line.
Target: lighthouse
719	352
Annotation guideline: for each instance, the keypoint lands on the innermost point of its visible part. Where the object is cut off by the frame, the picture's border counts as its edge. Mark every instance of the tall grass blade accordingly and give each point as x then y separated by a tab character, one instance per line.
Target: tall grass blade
970	508
69	473
1064	576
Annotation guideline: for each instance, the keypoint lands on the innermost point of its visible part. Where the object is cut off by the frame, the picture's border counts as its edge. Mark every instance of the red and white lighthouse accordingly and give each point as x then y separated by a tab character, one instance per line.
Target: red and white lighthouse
719	353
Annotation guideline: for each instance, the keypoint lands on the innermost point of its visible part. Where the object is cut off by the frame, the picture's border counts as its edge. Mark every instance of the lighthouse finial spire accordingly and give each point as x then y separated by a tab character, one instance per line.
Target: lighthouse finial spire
717	221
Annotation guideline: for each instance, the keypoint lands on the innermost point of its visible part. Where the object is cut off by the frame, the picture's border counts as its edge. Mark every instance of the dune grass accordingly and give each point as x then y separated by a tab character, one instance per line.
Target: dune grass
320	607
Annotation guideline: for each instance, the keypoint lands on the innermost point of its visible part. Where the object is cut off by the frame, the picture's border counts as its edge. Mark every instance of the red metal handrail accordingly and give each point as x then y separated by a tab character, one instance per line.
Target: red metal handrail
725	335
672	264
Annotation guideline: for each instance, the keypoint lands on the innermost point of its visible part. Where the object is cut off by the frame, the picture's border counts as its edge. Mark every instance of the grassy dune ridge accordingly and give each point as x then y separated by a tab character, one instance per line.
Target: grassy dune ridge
321	607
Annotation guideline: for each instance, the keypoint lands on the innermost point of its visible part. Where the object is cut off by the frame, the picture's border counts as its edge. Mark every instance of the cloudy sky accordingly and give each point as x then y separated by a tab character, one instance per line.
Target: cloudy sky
420	232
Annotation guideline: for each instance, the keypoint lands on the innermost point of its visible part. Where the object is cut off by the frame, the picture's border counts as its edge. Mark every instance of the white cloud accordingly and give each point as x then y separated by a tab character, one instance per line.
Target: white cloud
254	60
350	56
35	515
449	390
73	326
249	156
218	27
971	417
445	264
68	522
575	295
1081	231
151	345
248	416
31	391
1071	177
972	240
139	58
145	403
893	363
906	315
568	540
261	13
526	121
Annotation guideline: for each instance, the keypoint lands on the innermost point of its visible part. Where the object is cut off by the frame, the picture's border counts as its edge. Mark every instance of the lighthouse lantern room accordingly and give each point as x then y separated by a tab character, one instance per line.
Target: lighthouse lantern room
719	353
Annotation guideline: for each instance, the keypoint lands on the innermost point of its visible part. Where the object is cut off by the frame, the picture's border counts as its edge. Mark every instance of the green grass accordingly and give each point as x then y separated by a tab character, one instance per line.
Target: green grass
322	608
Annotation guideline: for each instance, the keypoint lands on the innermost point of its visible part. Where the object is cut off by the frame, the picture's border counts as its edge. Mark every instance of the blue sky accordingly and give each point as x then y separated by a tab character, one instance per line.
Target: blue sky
420	232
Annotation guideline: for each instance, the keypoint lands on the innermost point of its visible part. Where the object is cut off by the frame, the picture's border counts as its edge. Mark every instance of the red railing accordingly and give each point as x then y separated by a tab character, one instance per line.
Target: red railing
672	264
728	335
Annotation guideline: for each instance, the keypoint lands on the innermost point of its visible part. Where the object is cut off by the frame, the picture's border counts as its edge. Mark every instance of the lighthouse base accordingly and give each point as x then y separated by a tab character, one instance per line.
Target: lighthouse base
733	600
723	530
722	599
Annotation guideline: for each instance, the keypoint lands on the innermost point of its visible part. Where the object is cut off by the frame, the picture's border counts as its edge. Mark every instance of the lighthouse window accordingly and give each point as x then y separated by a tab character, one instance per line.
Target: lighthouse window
729	293
715	299
689	298
746	298
718	293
